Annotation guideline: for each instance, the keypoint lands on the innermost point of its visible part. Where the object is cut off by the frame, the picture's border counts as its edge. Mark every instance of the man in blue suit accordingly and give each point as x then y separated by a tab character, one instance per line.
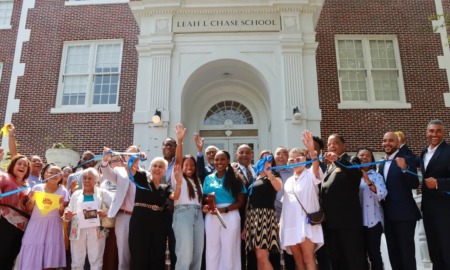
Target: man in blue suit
435	166
400	209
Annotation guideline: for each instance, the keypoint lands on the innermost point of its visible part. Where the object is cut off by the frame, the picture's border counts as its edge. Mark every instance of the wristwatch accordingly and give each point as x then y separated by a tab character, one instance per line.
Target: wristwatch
226	210
371	184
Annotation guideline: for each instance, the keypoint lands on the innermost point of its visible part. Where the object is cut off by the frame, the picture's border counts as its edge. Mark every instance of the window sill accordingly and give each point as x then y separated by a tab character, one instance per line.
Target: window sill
378	105
5	27
84	109
93	2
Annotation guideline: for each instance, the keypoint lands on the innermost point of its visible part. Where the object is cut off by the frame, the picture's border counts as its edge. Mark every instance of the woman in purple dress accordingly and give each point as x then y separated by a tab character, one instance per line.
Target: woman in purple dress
43	241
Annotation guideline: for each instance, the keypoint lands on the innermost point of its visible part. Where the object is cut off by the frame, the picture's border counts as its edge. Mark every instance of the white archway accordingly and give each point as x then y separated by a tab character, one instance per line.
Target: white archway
223	80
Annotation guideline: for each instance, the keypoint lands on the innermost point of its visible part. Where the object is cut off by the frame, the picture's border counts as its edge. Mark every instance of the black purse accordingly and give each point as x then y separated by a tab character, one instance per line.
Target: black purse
315	218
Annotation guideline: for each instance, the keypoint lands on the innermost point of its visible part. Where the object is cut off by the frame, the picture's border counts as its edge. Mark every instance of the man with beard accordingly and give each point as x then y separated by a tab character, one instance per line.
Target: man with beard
435	166
400	209
340	202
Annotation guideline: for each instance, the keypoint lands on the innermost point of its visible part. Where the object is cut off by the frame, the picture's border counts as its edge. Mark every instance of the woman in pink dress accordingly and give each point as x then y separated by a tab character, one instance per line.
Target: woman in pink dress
13	212
43	241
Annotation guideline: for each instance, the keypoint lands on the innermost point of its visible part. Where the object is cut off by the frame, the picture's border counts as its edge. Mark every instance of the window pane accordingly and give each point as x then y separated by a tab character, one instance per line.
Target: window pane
74	90
385	85
350	54
353	84
228	113
6	8
77	59
382	54
103	88
108	58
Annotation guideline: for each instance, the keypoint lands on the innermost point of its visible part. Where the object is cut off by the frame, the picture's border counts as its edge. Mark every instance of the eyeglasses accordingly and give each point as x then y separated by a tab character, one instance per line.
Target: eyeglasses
115	161
211	152
296	160
53	172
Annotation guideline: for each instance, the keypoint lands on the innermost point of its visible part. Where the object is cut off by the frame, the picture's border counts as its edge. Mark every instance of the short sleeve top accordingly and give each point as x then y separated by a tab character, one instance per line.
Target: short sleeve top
263	193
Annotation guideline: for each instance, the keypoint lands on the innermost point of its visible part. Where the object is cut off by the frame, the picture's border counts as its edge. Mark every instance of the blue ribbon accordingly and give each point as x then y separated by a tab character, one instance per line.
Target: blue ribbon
13	192
364	164
259	167
130	163
95	158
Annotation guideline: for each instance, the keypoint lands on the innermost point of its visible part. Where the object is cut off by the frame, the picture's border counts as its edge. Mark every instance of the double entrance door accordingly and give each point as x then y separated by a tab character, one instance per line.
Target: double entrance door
231	145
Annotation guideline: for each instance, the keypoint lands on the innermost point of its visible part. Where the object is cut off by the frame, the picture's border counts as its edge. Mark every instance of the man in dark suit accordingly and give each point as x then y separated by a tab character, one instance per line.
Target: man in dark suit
210	152
435	166
400	209
244	169
340	201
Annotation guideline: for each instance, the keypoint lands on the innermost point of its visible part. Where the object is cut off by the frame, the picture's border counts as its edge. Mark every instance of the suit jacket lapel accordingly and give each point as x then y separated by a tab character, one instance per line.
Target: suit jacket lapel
435	155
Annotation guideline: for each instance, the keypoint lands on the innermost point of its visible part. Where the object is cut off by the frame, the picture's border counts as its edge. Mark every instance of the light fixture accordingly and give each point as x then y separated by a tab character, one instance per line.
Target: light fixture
296	113
156	118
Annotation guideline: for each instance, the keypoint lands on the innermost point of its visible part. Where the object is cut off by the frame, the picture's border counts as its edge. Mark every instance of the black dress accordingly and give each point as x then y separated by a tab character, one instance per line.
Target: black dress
148	230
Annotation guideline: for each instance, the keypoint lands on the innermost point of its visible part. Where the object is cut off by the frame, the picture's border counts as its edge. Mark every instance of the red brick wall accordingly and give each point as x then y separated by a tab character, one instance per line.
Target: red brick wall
7	46
424	82
37	89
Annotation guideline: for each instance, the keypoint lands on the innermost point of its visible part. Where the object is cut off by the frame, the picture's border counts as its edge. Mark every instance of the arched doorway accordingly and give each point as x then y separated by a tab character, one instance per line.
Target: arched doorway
230	108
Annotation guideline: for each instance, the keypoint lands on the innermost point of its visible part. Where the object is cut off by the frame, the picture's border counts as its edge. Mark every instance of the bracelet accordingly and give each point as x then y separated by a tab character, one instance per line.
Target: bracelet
370	184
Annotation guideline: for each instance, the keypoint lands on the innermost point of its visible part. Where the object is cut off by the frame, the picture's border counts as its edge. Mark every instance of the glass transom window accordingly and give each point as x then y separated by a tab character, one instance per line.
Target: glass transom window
228	113
369	72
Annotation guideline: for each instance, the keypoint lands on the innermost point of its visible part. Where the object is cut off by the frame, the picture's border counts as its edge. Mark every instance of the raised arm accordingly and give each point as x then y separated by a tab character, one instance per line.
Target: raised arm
180	131
309	144
12	140
107	172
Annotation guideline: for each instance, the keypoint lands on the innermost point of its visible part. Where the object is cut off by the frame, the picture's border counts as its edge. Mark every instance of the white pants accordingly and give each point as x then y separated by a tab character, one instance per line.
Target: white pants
122	228
95	248
223	246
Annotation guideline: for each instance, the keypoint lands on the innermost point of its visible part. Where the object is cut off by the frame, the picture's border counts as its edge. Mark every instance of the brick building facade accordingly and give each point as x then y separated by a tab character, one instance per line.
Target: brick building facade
52	24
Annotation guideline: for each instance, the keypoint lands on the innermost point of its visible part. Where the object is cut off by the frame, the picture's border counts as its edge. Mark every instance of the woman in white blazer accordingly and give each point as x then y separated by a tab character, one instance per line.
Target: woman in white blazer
86	240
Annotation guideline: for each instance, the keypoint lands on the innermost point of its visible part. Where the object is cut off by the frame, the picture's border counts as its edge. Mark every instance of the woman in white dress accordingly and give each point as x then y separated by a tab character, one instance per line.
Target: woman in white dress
297	236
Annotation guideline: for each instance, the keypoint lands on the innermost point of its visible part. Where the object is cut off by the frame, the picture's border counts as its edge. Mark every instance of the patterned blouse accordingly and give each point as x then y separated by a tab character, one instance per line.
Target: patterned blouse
17	200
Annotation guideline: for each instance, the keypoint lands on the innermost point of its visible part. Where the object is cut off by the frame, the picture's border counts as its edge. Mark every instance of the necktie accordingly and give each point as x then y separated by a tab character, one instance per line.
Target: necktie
249	174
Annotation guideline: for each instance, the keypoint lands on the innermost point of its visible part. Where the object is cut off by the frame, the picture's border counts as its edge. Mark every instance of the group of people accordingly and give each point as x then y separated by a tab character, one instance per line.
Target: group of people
212	213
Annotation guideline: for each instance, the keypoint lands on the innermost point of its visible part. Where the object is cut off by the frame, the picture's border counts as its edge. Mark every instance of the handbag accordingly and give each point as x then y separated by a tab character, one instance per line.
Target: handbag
314	218
106	221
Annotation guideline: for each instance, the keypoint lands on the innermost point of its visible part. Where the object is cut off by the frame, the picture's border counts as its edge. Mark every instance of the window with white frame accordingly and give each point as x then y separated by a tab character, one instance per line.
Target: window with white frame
90	76
370	72
6	8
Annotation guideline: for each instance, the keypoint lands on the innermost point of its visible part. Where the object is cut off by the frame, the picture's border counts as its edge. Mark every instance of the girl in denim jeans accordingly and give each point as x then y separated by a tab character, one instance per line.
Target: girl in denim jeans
188	224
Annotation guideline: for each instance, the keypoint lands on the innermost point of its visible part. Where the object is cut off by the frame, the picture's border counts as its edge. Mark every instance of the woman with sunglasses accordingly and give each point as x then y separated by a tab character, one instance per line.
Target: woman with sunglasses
297	236
261	228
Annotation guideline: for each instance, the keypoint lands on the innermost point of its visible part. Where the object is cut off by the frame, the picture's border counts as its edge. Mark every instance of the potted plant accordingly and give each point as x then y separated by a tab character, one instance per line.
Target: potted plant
61	155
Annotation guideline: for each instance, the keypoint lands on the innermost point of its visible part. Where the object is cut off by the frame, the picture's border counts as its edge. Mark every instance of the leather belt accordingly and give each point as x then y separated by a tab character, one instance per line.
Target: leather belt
149	206
125	212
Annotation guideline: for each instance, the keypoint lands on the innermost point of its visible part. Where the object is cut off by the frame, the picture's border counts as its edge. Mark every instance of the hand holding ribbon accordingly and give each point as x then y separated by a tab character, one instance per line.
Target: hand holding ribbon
133	162
259	167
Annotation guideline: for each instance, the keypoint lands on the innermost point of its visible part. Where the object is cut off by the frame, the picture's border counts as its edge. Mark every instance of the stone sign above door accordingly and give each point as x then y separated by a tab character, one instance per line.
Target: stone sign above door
255	22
